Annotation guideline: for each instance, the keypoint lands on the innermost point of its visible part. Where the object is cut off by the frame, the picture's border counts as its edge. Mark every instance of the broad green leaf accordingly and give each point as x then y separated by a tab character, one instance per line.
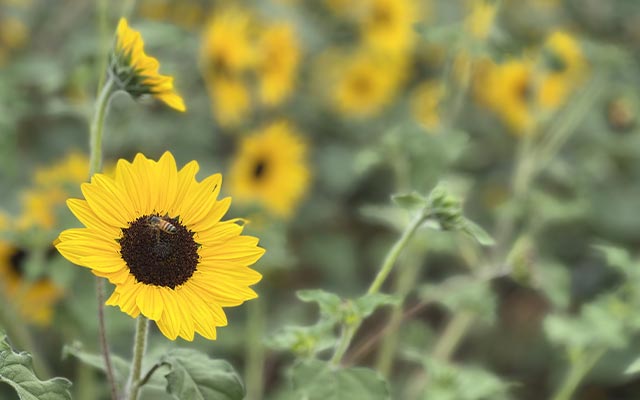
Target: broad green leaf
620	259
304	341
410	201
633	368
195	376
477	232
368	303
317	380
120	365
16	370
329	303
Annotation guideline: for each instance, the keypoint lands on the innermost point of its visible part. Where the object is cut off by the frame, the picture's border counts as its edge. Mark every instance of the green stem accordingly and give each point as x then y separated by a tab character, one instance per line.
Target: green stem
140	343
452	335
97	126
578	371
104	344
349	331
407	275
255	354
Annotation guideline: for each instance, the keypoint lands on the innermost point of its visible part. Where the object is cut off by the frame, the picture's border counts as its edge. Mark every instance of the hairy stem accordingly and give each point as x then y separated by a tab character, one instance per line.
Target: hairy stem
578	371
140	343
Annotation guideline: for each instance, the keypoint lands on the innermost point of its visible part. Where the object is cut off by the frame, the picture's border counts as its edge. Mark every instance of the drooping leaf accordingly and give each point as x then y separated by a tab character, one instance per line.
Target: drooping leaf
16	370
304	341
120	365
477	232
368	303
633	368
410	201
195	376
317	380
329	303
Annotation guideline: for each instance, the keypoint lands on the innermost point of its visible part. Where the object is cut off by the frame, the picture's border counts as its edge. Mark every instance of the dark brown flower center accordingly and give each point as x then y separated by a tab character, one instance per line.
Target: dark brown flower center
17	259
259	169
159	251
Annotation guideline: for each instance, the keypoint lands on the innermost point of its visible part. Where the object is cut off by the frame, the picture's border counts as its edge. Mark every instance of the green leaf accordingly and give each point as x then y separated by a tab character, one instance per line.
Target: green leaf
317	380
329	303
475	296
120	365
477	232
410	201
304	341
16	370
633	368
368	303
195	376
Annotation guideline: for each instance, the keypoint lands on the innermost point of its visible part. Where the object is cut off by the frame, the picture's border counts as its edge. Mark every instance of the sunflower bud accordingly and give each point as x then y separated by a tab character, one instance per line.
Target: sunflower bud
446	209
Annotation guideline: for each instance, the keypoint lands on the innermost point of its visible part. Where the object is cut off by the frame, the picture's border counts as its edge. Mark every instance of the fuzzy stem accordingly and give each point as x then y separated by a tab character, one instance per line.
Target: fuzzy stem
104	344
255	354
140	343
97	126
349	331
452	335
578	371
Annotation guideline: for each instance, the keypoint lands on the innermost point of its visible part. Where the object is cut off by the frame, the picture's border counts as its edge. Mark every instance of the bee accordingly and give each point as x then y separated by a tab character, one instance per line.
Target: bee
161	225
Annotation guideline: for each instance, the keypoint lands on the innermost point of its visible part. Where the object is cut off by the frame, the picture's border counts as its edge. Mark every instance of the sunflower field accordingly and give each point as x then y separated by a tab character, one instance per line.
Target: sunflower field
320	199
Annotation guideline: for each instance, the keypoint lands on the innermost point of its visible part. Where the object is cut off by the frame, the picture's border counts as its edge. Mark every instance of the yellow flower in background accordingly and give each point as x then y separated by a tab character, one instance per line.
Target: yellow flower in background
365	83
13	35
72	169
270	168
227	46
388	25
565	68
156	234
34	300
279	56
509	90
481	17
137	73
230	101
185	13
425	102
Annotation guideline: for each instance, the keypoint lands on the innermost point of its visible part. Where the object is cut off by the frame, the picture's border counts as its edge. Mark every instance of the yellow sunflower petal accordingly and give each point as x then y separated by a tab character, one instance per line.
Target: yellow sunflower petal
150	302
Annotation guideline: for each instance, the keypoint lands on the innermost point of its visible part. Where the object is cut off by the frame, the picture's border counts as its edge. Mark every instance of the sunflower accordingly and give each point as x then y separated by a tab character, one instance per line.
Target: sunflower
566	68
156	234
230	100
388	24
136	73
365	83
270	168
34	300
13	35
480	19
425	103
279	59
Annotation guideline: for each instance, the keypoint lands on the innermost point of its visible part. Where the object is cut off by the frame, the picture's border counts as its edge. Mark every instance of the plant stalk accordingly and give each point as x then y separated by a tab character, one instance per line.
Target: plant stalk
139	346
578	371
255	354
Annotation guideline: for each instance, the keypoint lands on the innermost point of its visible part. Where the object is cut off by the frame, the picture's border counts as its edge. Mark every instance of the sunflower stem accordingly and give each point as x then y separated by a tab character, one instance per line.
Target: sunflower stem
255	355
140	343
348	332
104	344
97	126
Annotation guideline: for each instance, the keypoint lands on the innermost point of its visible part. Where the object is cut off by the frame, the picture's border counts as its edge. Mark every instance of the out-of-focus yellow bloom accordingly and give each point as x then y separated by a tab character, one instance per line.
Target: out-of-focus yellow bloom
72	169
185	13
230	100
279	56
388	24
137	73
13	34
227	46
508	89
480	20
270	168
425	101
365	83
565	68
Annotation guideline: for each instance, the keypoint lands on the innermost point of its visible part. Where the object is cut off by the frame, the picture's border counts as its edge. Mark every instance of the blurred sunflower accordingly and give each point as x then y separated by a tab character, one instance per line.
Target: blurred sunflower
270	168
365	83
137	73
34	300
388	24
508	89
425	102
565	68
186	13
278	63
481	17
156	234
226	54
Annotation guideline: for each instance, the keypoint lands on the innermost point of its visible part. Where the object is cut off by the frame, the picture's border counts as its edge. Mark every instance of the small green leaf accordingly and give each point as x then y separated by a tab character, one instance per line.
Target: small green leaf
477	232
410	201
316	380
368	303
329	303
633	368
304	341
120	365
16	370
195	376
